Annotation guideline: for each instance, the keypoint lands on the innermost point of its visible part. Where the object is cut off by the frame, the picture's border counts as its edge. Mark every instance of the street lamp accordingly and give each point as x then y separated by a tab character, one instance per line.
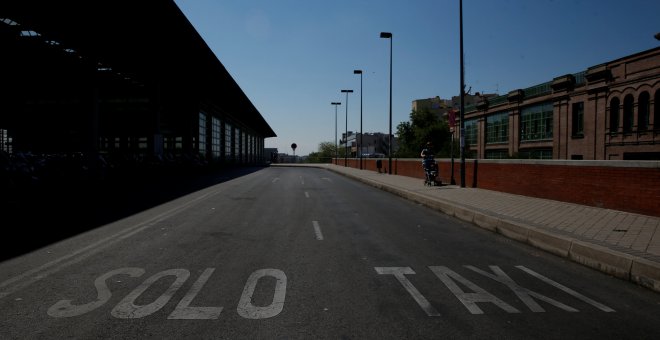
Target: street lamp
346	135
388	35
462	113
336	147
360	146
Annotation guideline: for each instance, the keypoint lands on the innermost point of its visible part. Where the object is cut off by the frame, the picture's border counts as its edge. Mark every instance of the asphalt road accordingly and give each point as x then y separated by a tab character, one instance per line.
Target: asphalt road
303	253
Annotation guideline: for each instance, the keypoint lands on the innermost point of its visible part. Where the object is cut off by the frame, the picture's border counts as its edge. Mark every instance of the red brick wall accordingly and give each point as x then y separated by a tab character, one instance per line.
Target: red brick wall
625	186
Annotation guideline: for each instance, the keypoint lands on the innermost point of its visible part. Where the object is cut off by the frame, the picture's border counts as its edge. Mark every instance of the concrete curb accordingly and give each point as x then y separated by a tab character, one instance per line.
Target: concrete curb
606	260
632	268
646	273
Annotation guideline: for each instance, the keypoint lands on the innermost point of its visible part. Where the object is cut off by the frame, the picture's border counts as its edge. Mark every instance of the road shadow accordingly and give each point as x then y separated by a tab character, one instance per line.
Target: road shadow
37	216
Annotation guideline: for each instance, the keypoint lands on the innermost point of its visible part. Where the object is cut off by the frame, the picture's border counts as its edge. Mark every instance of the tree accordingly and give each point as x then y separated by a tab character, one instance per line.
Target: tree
324	154
424	126
406	136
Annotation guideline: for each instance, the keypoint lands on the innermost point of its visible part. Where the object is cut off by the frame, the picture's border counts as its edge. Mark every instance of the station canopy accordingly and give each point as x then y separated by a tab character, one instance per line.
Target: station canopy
147	42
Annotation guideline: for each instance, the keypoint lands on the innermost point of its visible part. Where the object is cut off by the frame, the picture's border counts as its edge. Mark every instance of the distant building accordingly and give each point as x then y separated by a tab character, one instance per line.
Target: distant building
609	111
434	105
286	158
441	106
373	144
271	154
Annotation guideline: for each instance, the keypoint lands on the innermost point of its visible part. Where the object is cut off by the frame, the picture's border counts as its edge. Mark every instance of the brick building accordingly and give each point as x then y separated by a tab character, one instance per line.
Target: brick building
606	112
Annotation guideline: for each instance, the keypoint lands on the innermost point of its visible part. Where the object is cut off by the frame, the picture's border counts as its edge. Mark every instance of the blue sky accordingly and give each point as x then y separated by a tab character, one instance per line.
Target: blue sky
292	57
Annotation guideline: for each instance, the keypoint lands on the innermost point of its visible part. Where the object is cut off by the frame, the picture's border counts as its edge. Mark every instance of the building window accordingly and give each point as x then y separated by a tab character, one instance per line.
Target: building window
201	145
237	144
246	146
628	114
5	141
578	119
614	115
643	110
228	139
178	143
536	122
142	143
215	137
497	128
656	111
250	146
471	131
497	154
536	154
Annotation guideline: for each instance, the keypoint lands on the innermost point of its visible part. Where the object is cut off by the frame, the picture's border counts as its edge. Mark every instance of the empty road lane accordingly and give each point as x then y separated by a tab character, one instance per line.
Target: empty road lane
303	253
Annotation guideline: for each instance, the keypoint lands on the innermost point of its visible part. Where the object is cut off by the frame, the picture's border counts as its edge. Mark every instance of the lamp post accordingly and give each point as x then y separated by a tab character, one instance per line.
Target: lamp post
360	146
336	147
388	35
346	135
462	113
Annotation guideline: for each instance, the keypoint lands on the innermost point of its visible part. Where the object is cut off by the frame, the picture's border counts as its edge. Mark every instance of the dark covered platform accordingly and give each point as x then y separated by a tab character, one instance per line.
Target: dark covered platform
119	76
110	94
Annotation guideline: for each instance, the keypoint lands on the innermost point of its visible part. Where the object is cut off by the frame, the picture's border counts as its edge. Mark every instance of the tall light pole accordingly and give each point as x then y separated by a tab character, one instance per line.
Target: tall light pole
462	113
360	147
336	147
346	135
388	35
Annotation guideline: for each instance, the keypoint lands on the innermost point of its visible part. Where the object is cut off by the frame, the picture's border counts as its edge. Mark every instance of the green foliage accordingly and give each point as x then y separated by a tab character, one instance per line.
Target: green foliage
325	153
423	127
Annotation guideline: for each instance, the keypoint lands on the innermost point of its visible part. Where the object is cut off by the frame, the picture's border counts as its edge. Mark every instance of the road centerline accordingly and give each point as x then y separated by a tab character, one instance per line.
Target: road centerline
317	230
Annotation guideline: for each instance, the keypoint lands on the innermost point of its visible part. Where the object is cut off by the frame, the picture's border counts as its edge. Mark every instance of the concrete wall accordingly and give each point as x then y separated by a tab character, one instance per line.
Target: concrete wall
632	186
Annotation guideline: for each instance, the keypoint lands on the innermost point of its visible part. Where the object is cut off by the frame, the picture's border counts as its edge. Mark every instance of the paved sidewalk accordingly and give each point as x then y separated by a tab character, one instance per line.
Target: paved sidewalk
622	244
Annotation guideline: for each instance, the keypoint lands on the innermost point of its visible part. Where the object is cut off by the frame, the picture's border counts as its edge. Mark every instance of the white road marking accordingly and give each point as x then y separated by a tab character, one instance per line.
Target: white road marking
64	308
302	180
276	179
524	294
306	194
183	309
399	273
249	311
469	300
566	289
29	277
317	230
127	309
326	179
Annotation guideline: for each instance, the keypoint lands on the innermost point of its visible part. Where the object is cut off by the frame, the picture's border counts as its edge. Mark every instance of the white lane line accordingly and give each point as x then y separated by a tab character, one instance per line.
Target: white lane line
276	179
306	194
29	277
302	180
317	230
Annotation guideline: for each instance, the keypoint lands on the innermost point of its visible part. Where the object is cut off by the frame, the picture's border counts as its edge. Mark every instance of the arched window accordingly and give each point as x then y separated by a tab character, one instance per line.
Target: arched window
656	111
614	115
628	114
643	110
